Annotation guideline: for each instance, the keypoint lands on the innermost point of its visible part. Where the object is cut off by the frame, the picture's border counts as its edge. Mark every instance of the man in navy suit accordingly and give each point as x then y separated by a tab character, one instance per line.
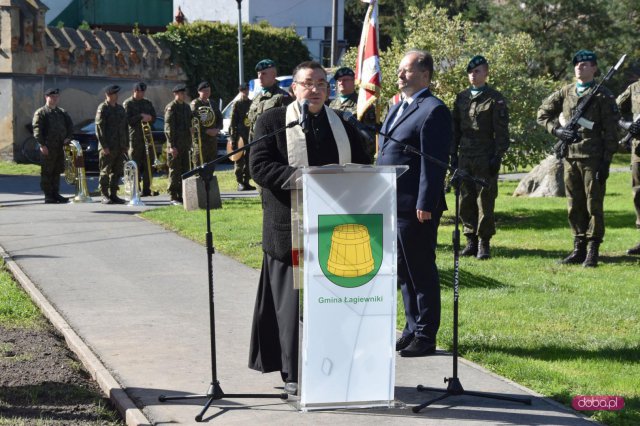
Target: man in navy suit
424	122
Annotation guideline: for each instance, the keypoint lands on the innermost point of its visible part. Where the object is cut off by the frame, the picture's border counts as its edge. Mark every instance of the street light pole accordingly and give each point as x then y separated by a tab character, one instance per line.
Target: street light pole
334	34
240	55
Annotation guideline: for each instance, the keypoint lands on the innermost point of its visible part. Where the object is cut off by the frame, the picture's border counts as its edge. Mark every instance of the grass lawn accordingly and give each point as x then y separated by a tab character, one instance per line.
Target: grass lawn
560	330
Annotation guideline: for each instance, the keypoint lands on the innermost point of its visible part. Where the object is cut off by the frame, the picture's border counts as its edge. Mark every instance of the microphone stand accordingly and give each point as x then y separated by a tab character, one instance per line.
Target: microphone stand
215	392
454	387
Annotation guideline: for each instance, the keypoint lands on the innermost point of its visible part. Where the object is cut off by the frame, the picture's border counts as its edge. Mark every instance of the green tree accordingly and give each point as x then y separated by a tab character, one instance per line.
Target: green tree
452	42
209	51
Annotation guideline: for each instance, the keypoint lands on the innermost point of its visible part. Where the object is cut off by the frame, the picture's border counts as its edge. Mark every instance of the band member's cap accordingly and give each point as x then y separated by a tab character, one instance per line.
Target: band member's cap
112	89
140	86
179	88
52	91
243	86
584	56
264	64
344	72
476	61
203	85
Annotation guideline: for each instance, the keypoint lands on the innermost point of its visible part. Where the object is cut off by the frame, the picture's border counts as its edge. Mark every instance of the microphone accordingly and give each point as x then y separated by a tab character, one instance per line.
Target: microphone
364	129
304	115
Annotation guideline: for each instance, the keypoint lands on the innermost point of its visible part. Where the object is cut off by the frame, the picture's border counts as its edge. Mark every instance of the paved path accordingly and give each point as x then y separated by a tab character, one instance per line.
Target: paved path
136	296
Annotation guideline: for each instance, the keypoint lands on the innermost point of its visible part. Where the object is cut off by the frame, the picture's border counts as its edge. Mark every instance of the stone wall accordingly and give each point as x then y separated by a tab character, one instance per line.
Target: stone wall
80	63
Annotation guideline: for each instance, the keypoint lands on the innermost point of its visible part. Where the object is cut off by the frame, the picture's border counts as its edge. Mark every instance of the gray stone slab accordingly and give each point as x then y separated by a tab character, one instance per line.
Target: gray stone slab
104	41
89	38
137	294
75	42
58	38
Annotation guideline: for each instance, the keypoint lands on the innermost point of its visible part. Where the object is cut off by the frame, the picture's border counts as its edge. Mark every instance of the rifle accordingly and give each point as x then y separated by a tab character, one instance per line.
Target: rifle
626	141
561	148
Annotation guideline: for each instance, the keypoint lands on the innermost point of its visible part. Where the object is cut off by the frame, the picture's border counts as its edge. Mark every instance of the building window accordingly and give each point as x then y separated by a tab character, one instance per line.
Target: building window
309	33
327	33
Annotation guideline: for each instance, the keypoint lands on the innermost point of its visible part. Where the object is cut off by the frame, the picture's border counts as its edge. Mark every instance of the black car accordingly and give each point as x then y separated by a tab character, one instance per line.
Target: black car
85	133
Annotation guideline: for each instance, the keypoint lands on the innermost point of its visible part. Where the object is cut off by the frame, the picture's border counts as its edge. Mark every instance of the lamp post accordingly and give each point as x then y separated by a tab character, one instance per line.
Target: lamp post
240	56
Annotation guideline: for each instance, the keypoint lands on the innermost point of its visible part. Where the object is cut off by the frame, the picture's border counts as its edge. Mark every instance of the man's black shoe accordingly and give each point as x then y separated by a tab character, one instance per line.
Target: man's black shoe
241	187
50	200
403	342
106	200
635	250
60	199
146	193
117	200
419	347
291	388
249	187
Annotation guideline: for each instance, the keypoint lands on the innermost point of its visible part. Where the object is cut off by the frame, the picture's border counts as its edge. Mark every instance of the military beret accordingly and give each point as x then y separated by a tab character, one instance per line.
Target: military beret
344	72
584	56
179	88
140	86
52	91
264	64
476	61
112	89
203	85
243	86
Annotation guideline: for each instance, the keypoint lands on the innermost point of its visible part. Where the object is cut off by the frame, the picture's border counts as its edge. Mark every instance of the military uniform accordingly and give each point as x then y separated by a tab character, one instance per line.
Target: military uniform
481	138
629	104
209	143
177	127
137	150
587	163
350	103
239	128
51	126
111	131
269	98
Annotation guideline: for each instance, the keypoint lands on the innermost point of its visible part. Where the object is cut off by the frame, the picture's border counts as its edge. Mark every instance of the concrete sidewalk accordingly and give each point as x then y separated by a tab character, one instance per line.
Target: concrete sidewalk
135	295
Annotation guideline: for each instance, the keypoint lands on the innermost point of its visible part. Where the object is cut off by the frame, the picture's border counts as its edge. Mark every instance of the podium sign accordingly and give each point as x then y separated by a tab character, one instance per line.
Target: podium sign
345	221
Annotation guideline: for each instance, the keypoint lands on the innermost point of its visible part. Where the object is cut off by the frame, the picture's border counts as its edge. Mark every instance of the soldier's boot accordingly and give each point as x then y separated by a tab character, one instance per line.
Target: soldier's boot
471	249
105	197
484	250
579	253
635	250
60	199
591	261
115	199
50	198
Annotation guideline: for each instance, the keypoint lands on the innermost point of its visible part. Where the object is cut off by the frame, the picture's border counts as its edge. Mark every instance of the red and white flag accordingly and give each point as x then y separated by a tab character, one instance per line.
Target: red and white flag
368	74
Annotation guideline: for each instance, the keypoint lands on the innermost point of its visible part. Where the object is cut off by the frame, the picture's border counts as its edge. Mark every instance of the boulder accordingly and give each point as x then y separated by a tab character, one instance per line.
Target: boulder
545	180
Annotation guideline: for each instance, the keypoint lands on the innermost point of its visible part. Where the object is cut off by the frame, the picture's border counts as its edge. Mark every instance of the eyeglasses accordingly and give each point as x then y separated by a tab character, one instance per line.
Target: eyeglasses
321	85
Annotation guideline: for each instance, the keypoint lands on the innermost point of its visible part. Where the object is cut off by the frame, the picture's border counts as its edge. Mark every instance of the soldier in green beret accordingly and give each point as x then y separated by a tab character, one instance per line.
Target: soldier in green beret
347	100
139	110
270	96
210	121
586	166
239	128
481	138
177	127
629	104
111	131
52	128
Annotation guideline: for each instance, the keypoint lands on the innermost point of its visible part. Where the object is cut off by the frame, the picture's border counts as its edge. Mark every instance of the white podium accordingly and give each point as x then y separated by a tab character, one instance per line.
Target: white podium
344	250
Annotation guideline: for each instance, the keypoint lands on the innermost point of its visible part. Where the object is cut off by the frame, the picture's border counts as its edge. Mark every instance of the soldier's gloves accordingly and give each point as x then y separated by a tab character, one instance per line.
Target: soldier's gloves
494	164
634	129
565	134
454	161
603	172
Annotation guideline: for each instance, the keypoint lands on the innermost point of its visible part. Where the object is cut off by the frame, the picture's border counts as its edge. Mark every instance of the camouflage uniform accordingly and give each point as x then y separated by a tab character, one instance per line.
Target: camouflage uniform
51	126
350	104
239	128
481	138
586	158
177	127
111	131
209	143
137	150
269	98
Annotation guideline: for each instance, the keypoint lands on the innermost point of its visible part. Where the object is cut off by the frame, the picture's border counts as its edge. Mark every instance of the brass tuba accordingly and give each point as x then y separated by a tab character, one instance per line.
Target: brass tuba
74	173
196	139
130	178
